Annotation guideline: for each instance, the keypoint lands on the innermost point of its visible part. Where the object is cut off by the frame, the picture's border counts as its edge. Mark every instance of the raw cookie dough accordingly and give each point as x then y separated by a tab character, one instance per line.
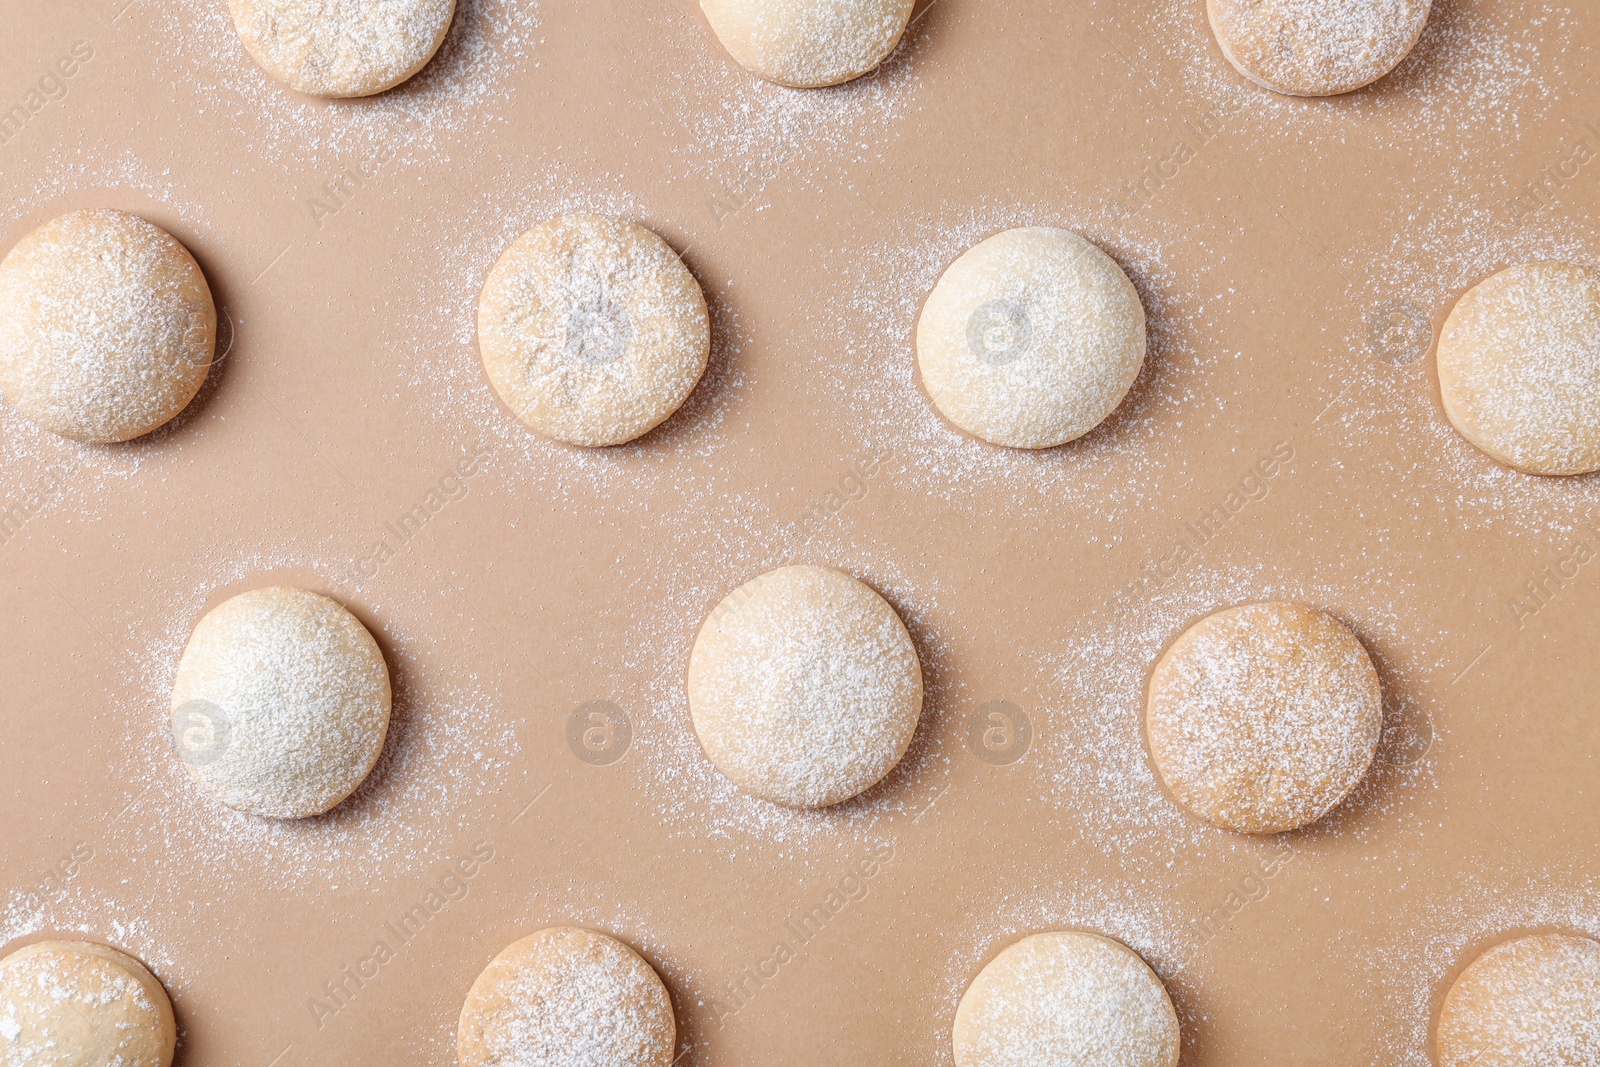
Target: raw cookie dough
79	1004
1031	338
342	48
1066	999
592	330
566	995
804	687
1519	368
1535	1000
1316	47
807	44
1262	718
281	703
106	326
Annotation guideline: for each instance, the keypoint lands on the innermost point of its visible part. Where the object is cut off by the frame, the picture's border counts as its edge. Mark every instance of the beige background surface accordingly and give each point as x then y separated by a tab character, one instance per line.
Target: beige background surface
546	578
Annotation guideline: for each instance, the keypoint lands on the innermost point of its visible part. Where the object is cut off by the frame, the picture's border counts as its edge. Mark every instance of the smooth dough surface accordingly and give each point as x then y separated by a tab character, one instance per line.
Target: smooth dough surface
567	996
1066	999
808	44
342	48
106	326
1534	1000
79	1004
1031	338
804	687
1262	718
592	330
1519	368
281	703
1316	47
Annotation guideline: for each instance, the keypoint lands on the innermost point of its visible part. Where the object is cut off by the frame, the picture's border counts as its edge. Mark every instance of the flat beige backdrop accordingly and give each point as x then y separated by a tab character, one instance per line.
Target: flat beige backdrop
1294	256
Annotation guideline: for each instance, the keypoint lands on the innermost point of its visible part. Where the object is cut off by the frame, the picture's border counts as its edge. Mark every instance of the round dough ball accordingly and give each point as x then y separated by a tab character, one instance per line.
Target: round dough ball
1535	1000
1519	368
1066	999
79	1004
1262	718
592	330
808	44
804	687
281	703
1031	338
1316	47
106	326
342	48
566	995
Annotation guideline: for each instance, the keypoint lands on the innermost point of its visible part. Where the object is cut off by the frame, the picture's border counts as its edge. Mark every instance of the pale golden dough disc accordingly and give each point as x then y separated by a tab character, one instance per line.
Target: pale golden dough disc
564	996
1519	368
592	330
106	326
1031	338
808	44
1316	47
1531	1002
342	48
1066	999
804	687
79	1004
1262	718
281	704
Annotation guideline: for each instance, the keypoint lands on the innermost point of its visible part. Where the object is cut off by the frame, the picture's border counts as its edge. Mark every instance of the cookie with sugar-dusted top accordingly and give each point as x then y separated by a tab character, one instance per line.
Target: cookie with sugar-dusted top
107	326
281	703
342	48
1066	999
804	687
567	996
82	1004
1031	338
1519	367
1531	1000
1262	718
1316	47
809	44
592	330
